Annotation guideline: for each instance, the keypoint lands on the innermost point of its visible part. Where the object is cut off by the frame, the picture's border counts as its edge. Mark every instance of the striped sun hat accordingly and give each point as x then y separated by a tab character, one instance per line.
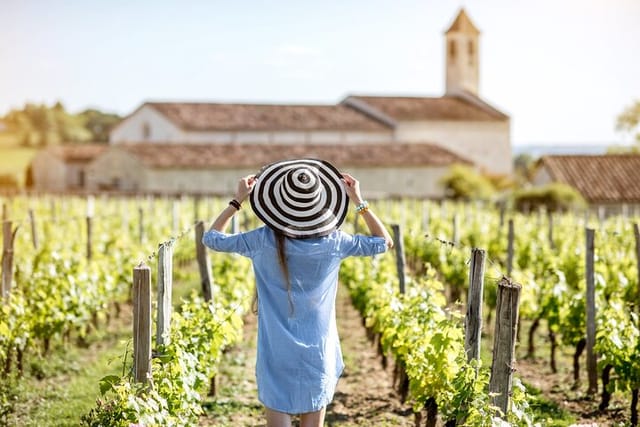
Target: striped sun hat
300	198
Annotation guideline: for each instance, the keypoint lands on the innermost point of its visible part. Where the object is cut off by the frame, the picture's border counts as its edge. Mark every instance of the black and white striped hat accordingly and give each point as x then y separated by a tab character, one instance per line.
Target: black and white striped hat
300	198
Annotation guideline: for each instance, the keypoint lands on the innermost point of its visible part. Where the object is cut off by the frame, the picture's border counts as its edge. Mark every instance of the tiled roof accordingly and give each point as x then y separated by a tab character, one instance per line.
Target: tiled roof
265	117
196	156
448	107
463	24
77	153
605	179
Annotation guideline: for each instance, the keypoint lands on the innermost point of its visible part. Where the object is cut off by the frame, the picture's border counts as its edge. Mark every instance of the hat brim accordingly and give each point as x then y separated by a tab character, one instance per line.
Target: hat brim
284	215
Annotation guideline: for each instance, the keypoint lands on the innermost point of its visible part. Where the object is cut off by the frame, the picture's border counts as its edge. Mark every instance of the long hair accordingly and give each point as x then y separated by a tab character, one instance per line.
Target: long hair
282	260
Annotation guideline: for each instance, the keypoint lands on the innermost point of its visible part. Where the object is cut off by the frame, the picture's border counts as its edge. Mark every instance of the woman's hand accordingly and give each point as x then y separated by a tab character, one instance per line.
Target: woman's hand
245	185
352	187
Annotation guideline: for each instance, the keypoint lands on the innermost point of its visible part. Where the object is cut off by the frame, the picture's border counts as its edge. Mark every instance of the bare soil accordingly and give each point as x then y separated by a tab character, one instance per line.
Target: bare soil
364	396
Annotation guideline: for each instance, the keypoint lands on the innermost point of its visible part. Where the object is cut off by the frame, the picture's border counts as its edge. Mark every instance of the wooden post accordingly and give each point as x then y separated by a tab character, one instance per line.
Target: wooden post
425	215
592	368
550	216
165	284
510	249
141	224
34	232
400	260
204	263
504	343
502	213
8	237
636	233
141	322
89	220
473	319
456	229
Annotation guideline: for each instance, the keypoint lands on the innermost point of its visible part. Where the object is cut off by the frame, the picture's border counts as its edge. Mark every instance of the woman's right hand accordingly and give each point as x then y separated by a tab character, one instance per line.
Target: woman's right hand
245	185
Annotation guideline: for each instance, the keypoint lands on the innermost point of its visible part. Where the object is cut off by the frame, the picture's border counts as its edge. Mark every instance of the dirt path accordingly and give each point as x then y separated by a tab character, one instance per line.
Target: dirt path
364	396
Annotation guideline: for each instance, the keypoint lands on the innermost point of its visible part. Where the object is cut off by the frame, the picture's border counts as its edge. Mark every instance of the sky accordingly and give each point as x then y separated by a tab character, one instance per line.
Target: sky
562	69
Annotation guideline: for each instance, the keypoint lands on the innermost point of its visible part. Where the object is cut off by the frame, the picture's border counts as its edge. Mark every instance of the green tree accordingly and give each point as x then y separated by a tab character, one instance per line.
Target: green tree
37	125
629	121
464	183
99	123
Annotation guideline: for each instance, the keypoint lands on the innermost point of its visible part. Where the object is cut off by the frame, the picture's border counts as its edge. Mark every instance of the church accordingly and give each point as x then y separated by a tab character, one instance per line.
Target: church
398	145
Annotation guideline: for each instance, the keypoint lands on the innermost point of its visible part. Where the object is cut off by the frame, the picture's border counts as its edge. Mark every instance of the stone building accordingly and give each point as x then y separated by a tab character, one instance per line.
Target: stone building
610	183
376	131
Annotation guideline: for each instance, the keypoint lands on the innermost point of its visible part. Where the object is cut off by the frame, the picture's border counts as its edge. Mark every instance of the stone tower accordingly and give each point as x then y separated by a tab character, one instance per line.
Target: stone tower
462	58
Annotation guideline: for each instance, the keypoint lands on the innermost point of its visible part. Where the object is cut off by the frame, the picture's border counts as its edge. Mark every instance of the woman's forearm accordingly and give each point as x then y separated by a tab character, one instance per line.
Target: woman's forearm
376	227
222	221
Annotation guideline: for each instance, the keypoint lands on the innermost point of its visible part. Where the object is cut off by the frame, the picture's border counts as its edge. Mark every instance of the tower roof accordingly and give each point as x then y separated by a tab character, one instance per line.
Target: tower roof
463	24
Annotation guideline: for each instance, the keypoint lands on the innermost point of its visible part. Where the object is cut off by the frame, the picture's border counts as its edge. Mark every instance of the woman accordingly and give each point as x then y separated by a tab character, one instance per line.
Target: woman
296	258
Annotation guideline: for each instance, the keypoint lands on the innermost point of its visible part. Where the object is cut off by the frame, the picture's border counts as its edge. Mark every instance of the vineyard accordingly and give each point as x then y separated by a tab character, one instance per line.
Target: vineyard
470	295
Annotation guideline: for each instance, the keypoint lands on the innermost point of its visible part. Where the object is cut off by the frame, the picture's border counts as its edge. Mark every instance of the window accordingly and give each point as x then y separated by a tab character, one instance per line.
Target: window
471	48
452	50
81	179
146	131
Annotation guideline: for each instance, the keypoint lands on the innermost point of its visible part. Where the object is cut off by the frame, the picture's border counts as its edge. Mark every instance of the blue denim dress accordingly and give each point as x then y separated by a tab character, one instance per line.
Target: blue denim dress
298	359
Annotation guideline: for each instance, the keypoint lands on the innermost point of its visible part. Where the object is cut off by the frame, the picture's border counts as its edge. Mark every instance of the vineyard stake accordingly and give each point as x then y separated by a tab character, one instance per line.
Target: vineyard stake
8	237
165	280
473	319
204	264
141	224
504	343
34	234
400	260
510	249
141	322
550	216
636	233
89	221
592	368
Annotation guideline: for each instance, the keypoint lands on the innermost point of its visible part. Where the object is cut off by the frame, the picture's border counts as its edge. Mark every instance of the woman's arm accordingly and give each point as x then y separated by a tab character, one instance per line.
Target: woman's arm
375	226
245	185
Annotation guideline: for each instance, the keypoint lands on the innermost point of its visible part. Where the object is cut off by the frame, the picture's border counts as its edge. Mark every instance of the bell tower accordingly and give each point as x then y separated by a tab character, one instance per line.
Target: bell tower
462	57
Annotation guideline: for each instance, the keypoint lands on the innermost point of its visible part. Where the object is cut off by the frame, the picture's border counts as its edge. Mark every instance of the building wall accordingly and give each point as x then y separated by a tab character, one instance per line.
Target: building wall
488	144
132	129
116	170
541	177
376	182
49	172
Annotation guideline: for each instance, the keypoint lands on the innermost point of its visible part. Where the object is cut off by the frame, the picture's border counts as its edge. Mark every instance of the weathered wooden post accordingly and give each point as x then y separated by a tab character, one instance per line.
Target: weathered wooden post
552	245
196	209
165	280
504	343
34	232
141	322
510	244
8	237
456	229
204	264
141	224
473	318
592	367
636	233
89	221
400	260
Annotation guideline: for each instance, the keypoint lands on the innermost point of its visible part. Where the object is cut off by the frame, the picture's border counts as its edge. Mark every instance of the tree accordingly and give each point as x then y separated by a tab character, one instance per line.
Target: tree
99	123
629	121
37	125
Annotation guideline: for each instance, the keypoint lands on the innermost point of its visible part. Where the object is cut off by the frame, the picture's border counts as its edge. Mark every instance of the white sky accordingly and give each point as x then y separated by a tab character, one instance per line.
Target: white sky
563	69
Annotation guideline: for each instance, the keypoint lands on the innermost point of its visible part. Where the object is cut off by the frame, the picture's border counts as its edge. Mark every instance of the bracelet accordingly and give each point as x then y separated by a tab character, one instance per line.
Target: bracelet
362	207
236	204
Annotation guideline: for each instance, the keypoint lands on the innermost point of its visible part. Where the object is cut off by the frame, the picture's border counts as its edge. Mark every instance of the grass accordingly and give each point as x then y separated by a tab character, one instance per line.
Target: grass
58	389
